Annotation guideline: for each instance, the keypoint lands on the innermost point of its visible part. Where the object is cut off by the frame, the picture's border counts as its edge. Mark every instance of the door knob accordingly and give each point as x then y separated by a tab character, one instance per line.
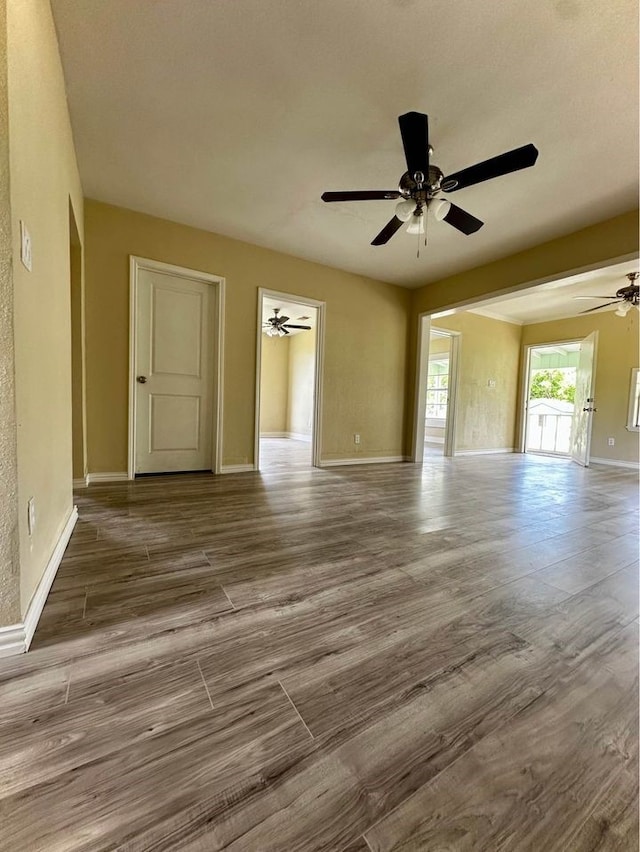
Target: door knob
141	379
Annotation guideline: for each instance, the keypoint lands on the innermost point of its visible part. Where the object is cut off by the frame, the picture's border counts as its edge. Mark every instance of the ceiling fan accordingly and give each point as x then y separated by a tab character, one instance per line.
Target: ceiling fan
627	297
422	182
277	326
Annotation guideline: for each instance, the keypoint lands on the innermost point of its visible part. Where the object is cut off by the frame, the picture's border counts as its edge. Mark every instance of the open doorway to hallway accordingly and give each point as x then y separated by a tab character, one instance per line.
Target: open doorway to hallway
438	392
550	396
287	377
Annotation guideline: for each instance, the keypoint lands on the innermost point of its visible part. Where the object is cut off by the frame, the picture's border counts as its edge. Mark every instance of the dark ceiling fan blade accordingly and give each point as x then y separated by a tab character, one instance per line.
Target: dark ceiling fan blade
361	195
582	298
599	307
462	220
306	327
414	129
503	164
387	232
282	320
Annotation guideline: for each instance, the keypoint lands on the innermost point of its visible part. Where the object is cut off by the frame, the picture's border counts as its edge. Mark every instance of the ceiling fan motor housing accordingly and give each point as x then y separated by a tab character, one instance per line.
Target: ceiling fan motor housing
408	187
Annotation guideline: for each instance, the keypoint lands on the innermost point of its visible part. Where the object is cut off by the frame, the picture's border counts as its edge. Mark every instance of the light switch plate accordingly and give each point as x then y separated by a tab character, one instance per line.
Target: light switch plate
25	246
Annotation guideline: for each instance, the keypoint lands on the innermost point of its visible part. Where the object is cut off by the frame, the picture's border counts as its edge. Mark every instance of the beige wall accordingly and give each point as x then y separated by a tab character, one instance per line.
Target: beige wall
302	358
9	560
274	385
43	177
365	348
489	351
616	356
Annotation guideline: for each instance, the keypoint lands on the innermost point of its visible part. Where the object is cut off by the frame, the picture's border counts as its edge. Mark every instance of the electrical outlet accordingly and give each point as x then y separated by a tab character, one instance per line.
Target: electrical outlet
31	515
611	442
356	438
25	246
491	383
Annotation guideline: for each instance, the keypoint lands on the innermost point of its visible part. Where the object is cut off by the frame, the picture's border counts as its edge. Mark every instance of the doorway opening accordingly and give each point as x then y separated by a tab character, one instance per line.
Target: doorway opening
288	368
78	427
438	392
559	402
437	381
550	398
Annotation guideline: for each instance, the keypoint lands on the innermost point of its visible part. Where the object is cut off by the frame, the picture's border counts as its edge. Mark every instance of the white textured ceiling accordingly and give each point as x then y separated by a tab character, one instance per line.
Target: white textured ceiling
235	116
557	299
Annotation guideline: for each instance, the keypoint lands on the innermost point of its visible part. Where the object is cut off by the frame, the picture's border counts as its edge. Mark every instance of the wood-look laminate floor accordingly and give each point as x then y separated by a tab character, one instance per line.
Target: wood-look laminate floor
382	658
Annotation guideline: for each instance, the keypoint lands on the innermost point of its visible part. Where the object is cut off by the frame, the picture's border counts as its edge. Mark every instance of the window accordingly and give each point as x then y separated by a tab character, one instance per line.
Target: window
633	420
438	388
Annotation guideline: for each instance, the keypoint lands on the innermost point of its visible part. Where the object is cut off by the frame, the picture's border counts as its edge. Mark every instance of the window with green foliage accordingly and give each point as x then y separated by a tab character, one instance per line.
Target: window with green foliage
552	384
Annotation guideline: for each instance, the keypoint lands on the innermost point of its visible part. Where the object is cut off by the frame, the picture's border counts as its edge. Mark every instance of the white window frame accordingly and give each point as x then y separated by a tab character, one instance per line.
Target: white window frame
633	414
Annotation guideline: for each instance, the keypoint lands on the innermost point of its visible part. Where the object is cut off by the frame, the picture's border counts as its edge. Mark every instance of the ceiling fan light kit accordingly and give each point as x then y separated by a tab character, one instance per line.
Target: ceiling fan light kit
277	326
420	185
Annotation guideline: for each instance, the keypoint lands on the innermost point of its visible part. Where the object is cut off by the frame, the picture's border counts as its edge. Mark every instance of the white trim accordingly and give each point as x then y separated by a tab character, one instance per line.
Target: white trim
237	468
485	312
316	429
363	460
299	436
13	640
633	390
432	439
420	388
616	463
218	283
295	436
16	638
81	483
121	476
486	452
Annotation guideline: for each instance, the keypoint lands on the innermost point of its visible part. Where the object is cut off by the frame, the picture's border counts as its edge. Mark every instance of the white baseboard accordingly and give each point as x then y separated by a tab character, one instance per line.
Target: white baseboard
16	638
12	640
299	436
362	460
237	468
81	483
615	463
296	436
485	452
119	476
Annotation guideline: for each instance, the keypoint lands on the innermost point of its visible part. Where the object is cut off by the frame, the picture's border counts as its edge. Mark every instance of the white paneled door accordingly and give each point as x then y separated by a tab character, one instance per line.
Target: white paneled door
174	373
584	403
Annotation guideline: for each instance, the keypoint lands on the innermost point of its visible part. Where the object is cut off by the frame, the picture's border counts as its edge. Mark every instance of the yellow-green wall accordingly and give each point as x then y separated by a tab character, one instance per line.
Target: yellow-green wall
616	356
365	343
9	541
44	177
274	385
489	352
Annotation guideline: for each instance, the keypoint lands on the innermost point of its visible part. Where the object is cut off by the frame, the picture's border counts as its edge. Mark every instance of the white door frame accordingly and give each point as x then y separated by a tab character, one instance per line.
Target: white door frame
316	433
136	264
525	379
420	394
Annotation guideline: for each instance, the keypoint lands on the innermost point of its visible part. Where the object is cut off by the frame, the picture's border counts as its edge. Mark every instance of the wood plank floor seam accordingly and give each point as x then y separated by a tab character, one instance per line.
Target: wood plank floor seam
296	709
204	683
